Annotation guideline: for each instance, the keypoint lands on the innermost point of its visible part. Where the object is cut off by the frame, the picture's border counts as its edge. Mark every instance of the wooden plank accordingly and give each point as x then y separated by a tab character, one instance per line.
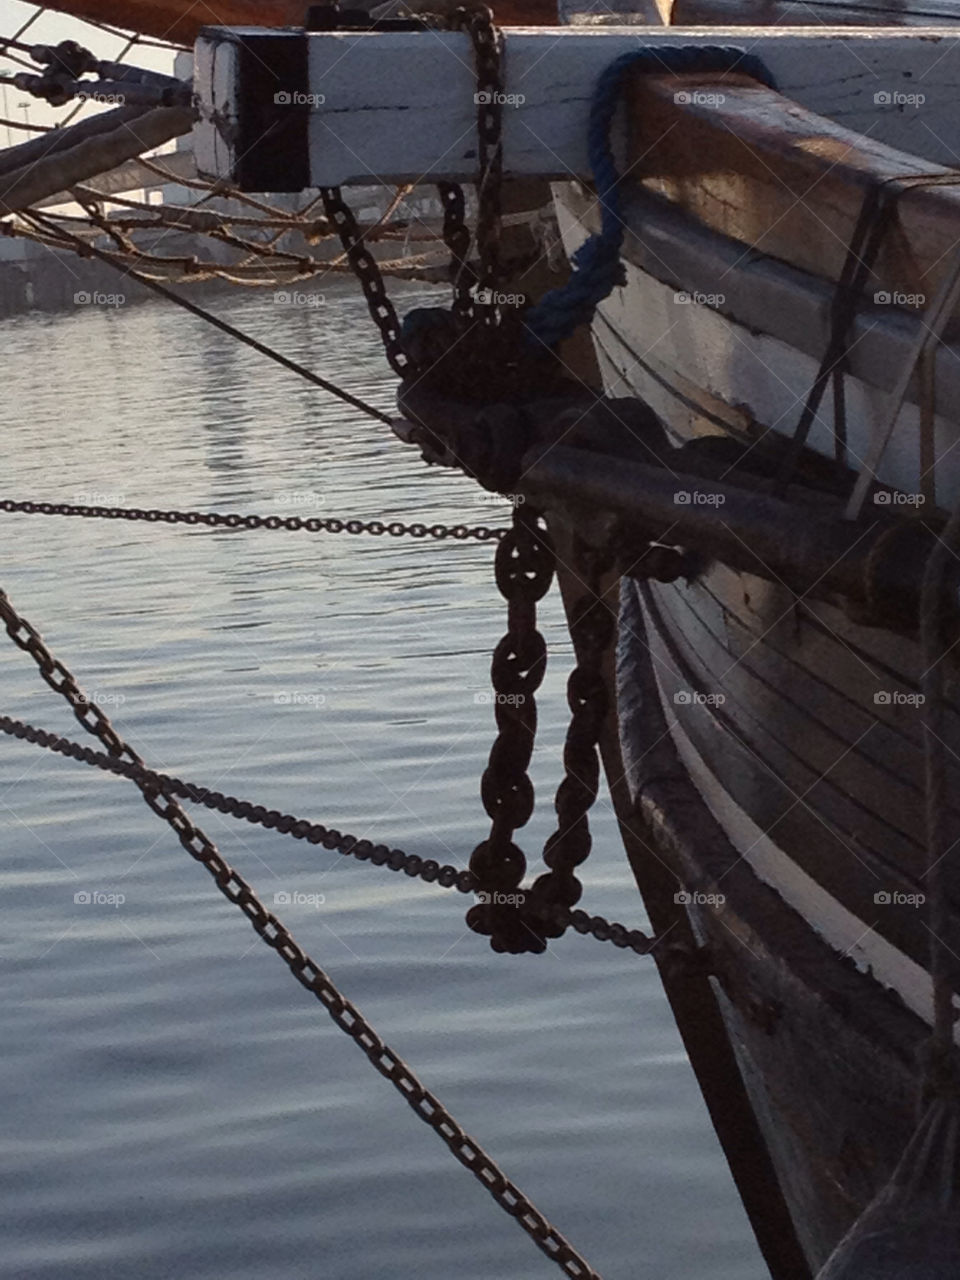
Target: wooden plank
399	106
772	175
131	176
832	1070
33	182
737	371
854	13
180	21
849	868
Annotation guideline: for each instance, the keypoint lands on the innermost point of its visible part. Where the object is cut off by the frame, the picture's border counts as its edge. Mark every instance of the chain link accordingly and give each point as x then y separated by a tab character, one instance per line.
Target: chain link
524	569
591	629
304	969
365	268
488	52
456	237
232	520
365	851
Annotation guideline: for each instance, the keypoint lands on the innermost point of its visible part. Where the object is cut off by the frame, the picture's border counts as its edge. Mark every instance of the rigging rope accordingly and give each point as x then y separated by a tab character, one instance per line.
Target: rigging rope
310	976
325	384
935	319
597	265
871	229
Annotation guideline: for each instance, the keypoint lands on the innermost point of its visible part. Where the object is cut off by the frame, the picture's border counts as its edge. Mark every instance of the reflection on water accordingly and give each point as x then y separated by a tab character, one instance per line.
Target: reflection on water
176	1106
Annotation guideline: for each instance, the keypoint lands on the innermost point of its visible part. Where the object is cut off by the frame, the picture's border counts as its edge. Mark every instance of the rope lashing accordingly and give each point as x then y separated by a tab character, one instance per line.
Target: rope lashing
597	265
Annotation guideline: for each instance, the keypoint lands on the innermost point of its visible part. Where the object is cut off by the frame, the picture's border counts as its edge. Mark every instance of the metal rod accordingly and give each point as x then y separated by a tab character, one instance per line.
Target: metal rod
811	553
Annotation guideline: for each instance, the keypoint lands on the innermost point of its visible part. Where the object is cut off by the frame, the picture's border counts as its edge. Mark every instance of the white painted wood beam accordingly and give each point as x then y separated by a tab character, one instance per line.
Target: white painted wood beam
399	106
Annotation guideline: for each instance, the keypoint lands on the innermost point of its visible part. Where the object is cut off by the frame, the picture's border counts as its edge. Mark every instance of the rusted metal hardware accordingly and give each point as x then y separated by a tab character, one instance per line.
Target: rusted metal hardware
368	275
365	851
233	520
592	627
487	52
524	570
309	974
869	568
667	512
456	237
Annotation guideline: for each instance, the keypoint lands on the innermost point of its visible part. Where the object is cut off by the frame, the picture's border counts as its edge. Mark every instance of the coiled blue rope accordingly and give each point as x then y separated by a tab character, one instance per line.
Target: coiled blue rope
597	265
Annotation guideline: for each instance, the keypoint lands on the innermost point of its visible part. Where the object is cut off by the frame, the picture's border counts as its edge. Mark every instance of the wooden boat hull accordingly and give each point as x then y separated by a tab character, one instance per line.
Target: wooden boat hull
773	746
828	1057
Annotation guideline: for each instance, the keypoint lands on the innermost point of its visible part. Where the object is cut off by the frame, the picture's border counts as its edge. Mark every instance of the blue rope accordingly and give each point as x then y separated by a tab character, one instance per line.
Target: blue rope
597	265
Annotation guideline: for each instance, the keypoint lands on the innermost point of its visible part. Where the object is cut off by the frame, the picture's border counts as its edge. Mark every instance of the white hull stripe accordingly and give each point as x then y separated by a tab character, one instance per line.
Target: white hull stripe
839	928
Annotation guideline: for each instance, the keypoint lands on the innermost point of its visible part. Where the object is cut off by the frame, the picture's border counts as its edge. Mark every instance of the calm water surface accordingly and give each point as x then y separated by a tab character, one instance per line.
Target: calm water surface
174	1104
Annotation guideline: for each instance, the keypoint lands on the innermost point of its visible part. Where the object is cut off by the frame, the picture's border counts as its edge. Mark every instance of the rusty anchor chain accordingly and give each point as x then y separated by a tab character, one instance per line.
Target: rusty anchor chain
233	520
310	976
365	851
488	56
456	236
514	918
591	629
368	275
487	43
524	568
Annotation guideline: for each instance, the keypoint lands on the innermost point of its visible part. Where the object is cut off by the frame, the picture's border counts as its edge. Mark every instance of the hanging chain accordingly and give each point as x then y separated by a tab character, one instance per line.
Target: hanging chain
488	51
347	1017
591	629
456	237
365	851
232	520
524	569
365	268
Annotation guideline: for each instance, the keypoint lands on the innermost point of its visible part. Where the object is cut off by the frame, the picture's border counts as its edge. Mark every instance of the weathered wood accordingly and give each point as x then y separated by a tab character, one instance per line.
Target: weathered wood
827	1054
399	106
689	990
130	176
855	13
773	175
181	21
34	182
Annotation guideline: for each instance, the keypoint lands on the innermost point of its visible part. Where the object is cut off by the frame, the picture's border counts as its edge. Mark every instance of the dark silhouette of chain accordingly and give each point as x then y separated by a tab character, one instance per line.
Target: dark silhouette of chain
591	629
368	275
524	568
487	53
233	520
379	855
456	237
310	976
